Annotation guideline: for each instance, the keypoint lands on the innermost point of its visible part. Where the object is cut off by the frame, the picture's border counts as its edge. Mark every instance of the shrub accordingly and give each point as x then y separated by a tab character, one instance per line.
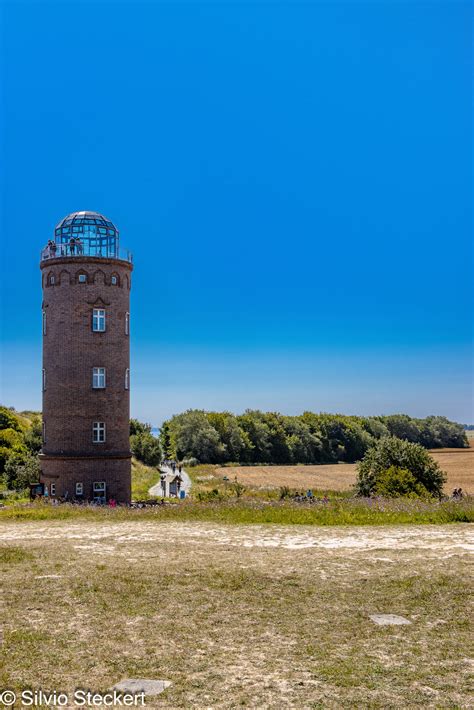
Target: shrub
238	488
393	452
214	495
190	462
397	481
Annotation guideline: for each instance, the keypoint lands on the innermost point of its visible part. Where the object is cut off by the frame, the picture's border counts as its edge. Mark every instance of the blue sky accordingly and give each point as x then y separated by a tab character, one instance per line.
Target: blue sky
294	180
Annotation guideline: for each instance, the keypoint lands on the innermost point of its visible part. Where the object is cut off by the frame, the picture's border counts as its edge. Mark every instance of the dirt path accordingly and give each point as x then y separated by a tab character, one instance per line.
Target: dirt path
114	538
185	486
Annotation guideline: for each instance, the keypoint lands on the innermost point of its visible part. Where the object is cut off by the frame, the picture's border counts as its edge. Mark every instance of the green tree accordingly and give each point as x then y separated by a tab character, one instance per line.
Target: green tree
391	451
21	469
137	427
9	419
192	436
165	440
146	448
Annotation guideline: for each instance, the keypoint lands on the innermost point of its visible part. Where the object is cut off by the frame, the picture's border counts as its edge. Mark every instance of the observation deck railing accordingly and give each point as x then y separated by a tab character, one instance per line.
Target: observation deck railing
85	249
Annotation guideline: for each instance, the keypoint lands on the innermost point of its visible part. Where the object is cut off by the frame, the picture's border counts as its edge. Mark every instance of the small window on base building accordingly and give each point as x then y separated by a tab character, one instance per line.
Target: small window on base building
79	489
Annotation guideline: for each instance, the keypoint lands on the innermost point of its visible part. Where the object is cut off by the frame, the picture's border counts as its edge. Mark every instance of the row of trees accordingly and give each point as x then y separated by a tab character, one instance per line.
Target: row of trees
270	437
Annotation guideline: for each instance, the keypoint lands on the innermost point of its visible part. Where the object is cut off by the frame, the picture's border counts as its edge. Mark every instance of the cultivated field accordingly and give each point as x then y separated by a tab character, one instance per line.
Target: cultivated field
239	616
458	464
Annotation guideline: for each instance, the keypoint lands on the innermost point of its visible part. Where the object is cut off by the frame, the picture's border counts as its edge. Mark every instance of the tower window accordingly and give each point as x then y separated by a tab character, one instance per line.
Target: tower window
82	278
127	379
98	432
114	280
127	323
44	322
52	280
44	379
43	427
98	320
98	377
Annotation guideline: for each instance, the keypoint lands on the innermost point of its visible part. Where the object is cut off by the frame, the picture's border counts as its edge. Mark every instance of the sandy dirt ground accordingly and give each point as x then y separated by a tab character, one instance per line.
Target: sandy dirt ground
458	464
110	538
240	616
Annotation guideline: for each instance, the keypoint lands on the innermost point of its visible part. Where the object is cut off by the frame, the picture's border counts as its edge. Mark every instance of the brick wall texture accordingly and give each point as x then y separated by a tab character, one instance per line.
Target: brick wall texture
71	349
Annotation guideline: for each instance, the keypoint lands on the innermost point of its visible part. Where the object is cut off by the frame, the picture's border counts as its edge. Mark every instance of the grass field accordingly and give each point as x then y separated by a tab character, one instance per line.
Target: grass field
239	616
458	464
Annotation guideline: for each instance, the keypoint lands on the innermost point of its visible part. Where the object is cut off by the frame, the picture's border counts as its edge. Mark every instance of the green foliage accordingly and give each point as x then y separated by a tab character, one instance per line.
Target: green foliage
270	437
238	488
193	436
21	469
9	419
137	427
395	482
20	442
165	440
393	452
33	436
146	448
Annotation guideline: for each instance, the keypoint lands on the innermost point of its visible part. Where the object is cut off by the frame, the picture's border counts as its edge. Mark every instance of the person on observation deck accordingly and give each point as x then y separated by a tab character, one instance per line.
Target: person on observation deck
72	246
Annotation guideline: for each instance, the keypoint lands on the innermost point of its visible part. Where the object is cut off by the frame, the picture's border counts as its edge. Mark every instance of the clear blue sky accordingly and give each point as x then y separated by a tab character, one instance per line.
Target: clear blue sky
294	179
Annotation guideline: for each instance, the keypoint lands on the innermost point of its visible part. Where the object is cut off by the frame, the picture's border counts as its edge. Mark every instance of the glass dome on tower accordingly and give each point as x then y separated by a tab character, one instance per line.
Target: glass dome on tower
85	234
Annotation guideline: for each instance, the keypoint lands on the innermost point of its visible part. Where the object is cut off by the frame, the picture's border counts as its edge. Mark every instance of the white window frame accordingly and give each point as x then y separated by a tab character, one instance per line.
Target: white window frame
98	320
52	489
127	323
98	433
82	278
99	491
113	280
79	488
98	378
44	322
127	379
44	379
52	280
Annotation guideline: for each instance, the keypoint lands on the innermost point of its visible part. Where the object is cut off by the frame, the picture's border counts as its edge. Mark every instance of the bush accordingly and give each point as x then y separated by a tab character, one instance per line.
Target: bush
190	463
393	452
395	482
206	496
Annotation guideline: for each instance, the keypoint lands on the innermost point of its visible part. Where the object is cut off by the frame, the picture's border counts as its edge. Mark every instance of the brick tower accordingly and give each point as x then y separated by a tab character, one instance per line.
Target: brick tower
86	282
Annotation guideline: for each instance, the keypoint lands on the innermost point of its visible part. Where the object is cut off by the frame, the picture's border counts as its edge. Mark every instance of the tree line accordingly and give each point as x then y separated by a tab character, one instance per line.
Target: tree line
221	437
309	438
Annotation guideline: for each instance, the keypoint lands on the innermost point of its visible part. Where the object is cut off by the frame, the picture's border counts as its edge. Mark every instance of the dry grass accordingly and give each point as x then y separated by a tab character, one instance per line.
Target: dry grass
243	616
458	464
335	477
